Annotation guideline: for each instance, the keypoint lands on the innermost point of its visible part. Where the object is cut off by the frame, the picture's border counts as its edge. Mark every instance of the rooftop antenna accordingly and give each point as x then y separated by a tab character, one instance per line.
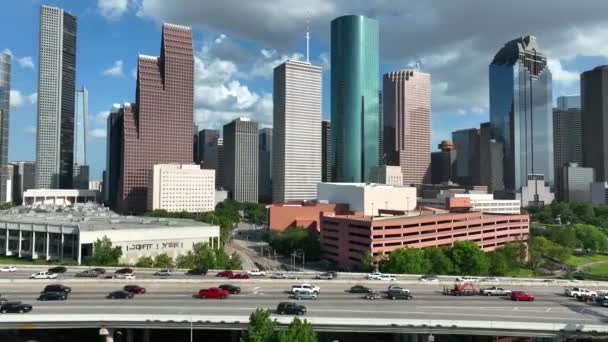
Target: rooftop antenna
307	40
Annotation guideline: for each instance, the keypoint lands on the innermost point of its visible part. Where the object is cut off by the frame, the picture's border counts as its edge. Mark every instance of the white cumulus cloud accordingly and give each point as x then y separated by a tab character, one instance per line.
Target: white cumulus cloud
17	99
112	9
115	70
97	133
26	62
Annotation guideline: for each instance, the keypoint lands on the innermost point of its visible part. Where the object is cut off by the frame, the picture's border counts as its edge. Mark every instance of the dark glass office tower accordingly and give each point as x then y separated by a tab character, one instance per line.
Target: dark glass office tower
594	120
521	112
355	85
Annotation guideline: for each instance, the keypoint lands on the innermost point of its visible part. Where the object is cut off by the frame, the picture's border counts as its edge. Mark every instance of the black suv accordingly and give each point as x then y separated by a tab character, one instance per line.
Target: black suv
58	269
230	288
360	289
57	288
399	294
120	295
291	308
197	271
53	296
12	307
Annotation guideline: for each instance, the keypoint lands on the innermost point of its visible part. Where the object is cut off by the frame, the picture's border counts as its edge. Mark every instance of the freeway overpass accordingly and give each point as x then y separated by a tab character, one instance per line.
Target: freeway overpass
169	304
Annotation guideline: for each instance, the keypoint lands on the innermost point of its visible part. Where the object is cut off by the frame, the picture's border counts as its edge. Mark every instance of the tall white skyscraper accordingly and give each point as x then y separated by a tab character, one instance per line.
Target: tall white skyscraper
56	95
296	142
80	178
5	89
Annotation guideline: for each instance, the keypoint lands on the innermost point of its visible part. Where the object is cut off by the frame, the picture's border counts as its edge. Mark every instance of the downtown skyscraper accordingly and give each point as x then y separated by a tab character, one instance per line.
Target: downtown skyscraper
407	124
81	168
594	120
355	89
521	112
157	129
5	90
296	150
56	95
265	165
240	167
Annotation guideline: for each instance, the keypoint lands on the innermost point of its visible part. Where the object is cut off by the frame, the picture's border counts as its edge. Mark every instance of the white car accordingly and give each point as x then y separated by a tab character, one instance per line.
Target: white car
256	273
43	275
579	291
306	288
8	269
164	273
467	278
374	276
491	280
127	276
387	277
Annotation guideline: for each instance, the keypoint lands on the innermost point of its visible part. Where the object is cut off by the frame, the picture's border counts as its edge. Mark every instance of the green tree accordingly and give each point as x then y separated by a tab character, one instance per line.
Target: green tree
565	236
500	264
234	263
406	260
367	262
145	261
293	239
468	258
439	262
163	260
298	331
6	205
104	254
592	240
261	327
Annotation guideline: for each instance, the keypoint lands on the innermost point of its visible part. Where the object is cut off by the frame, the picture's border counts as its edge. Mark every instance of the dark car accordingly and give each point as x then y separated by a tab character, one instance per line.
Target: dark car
134	289
125	270
225	274
87	274
53	296
240	276
399	294
334	274
13	307
197	271
57	288
290	308
58	269
120	295
99	270
360	289
230	288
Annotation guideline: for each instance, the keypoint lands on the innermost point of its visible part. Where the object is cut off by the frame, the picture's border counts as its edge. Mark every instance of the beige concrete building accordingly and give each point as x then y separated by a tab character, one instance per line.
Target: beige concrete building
386	174
181	187
59	197
368	198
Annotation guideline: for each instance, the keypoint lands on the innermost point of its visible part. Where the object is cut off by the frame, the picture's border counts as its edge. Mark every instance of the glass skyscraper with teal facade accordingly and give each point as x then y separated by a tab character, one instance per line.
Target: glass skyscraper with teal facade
521	111
355	89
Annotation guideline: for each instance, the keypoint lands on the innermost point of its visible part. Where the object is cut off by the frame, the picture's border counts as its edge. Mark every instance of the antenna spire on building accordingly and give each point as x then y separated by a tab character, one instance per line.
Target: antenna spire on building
307	40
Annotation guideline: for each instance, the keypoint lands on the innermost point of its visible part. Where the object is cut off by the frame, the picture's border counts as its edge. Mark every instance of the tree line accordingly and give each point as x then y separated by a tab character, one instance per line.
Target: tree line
263	329
293	239
571	213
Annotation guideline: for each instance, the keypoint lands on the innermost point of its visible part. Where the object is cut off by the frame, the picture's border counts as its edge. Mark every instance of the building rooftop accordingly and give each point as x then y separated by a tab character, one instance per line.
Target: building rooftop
90	217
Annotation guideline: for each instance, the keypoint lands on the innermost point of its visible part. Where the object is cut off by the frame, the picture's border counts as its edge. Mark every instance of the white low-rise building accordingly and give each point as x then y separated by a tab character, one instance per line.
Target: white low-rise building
180	187
368	197
387	174
59	196
536	193
479	202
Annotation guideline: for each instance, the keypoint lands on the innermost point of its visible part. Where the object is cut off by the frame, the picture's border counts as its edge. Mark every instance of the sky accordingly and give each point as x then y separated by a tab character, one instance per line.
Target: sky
239	42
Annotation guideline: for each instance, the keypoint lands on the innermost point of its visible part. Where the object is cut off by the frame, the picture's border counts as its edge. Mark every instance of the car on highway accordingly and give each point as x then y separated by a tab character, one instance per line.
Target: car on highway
57	269
397	288
125	270
279	276
429	278
120	294
225	274
43	275
305	287
240	276
52	296
373	295
359	289
57	288
197	271
15	307
164	272
127	276
387	277
134	289
579	292
399	293
491	280
374	276
230	288
521	295
467	278
99	270
324	276
213	292
495	291
256	273
8	269
87	274
304	295
291	308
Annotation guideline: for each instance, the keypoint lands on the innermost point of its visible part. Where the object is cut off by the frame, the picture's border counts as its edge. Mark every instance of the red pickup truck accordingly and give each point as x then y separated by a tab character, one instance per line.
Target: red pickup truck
521	295
213	292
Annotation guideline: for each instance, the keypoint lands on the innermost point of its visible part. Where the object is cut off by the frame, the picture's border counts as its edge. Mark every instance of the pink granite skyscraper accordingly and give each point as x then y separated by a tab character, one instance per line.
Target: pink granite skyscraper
158	127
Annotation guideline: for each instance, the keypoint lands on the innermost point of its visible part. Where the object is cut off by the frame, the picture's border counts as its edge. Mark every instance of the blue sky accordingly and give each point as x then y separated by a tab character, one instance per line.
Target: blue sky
238	42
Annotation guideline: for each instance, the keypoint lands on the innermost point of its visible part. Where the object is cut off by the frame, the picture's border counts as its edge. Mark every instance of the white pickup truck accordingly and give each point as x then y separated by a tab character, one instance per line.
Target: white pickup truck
306	288
495	291
579	292
43	275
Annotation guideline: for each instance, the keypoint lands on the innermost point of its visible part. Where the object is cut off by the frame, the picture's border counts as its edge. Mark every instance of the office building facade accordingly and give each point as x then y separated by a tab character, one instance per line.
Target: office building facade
569	102
443	163
241	160
485	136
406	117
265	165
181	187
80	176
325	151
387	174
466	143
296	150
594	119
114	132
567	143
56	97
599	193
355	89
211	151
521	111
576	183
536	192
5	91
158	128
24	178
